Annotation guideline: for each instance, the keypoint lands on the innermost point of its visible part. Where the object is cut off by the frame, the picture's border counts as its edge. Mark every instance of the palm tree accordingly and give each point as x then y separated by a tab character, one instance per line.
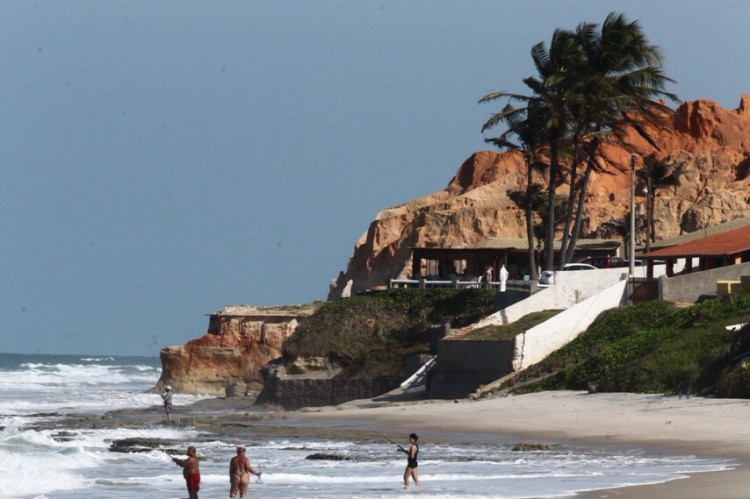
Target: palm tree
522	127
621	227
590	85
544	115
619	75
551	96
656	174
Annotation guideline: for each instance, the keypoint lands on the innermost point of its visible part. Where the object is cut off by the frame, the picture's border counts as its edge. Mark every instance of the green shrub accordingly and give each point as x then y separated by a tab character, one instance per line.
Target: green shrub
374	332
658	348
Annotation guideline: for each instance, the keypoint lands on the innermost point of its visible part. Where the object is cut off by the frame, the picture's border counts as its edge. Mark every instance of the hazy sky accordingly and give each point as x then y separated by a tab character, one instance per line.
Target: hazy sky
160	160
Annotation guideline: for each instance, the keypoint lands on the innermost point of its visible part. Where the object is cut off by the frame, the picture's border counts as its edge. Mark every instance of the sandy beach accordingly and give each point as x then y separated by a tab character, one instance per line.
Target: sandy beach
704	427
700	426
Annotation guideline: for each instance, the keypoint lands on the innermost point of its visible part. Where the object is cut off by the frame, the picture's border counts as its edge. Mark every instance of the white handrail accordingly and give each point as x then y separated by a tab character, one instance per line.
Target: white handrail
411	379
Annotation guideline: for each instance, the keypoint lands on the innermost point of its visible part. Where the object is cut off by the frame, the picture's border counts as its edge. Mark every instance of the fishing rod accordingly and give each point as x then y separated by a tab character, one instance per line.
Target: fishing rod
386	438
152	438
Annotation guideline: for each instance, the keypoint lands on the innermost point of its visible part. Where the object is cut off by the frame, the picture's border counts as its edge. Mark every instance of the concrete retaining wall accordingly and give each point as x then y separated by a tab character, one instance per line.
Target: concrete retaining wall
292	394
463	365
540	341
570	289
476	355
690	288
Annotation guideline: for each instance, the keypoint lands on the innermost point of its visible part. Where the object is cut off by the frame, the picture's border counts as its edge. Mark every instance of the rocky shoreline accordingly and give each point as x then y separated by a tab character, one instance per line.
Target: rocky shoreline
698	426
228	418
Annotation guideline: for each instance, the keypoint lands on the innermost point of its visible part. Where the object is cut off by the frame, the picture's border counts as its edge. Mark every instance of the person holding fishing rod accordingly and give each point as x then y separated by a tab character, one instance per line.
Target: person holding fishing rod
190	471
167	396
239	473
411	460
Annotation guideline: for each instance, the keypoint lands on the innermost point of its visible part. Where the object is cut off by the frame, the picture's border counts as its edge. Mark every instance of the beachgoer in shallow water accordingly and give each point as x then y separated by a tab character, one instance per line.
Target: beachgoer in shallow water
239	473
191	471
411	460
167	396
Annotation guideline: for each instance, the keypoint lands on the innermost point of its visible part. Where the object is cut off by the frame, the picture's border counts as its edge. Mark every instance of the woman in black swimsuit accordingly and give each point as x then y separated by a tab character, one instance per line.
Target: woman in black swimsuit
411	460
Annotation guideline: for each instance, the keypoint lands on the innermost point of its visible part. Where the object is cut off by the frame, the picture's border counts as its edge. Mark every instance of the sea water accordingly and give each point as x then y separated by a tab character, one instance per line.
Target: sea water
36	464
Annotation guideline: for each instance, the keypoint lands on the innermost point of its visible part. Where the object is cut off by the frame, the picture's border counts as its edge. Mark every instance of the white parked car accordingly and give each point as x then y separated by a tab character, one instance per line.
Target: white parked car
548	276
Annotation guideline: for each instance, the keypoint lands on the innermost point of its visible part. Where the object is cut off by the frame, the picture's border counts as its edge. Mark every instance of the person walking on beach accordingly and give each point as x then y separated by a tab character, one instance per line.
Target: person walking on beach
411	460
191	471
239	473
167	396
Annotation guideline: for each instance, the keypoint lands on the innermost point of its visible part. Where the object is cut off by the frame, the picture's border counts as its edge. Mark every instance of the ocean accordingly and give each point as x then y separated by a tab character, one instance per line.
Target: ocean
77	462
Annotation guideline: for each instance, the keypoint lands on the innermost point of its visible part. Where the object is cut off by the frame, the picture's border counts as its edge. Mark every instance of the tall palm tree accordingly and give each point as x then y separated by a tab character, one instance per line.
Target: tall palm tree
621	227
545	111
523	134
552	91
619	79
590	85
657	174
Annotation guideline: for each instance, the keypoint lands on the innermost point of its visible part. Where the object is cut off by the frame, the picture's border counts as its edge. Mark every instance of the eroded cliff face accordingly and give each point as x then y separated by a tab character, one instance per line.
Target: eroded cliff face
229	358
711	141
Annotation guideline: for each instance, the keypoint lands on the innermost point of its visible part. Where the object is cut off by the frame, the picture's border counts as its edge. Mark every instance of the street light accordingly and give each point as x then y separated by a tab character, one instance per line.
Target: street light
633	161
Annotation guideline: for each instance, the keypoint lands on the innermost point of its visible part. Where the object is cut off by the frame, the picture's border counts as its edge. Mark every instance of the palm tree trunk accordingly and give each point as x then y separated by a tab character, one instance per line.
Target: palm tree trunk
530	223
579	210
593	147
650	200
549	241
565	255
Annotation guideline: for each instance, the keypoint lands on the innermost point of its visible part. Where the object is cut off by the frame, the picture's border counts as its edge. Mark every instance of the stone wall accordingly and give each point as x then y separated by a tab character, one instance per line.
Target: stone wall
463	365
294	392
690	288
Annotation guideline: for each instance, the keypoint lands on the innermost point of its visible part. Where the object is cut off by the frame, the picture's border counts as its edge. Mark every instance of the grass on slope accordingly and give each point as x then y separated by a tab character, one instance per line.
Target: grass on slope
371	334
656	348
508	331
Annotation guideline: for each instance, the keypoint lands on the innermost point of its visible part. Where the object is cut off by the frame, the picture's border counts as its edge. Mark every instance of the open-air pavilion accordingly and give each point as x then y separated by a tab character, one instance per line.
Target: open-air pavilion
470	264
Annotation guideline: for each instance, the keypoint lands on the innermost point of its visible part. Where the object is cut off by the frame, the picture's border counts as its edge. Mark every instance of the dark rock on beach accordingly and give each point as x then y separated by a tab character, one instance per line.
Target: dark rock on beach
63	436
144	445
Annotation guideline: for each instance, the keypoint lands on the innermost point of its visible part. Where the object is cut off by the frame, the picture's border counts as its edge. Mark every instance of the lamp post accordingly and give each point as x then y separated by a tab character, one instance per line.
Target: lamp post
633	161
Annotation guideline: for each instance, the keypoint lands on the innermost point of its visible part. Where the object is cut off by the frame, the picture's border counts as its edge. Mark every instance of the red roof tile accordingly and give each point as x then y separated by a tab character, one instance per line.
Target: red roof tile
727	243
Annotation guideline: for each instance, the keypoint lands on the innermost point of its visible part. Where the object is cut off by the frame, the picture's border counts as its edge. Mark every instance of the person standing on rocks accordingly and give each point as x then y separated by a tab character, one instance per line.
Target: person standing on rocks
239	473
191	471
167	396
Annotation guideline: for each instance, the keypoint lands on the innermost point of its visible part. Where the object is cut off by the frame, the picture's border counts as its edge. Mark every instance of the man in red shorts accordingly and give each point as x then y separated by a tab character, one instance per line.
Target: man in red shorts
191	471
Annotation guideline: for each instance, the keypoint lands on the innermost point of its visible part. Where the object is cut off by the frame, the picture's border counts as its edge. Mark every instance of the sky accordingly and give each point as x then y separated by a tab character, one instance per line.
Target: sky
162	160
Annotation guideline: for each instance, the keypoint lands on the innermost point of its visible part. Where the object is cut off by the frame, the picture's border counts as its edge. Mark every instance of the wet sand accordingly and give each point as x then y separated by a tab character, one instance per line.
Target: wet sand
700	426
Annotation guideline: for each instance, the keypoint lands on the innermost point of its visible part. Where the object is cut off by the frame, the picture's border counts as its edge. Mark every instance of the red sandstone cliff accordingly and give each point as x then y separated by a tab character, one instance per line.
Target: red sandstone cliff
713	143
229	358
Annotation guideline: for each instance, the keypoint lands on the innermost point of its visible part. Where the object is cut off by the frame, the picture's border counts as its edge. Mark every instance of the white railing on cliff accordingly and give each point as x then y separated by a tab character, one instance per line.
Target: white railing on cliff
428	283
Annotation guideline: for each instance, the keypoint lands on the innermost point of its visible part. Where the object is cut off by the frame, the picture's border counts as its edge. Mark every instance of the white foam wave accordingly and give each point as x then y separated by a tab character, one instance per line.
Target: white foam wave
35	375
35	464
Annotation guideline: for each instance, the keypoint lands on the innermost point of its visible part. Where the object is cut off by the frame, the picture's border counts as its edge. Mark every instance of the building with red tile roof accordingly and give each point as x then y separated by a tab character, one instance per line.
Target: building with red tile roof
730	247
